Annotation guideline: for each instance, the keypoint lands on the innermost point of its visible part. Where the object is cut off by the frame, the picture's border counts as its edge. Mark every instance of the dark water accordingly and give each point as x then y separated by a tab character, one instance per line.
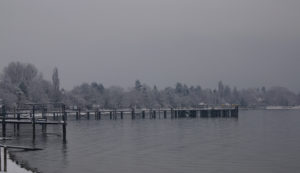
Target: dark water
258	141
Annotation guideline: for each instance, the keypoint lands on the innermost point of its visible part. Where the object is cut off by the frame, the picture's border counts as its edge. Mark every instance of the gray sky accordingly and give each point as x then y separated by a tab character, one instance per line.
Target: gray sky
245	43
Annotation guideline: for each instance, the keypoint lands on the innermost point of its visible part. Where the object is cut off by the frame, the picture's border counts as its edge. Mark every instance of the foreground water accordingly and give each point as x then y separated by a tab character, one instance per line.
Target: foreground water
258	141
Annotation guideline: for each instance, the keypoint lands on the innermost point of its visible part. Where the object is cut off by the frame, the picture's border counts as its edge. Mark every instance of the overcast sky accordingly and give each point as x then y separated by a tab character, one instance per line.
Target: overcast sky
245	43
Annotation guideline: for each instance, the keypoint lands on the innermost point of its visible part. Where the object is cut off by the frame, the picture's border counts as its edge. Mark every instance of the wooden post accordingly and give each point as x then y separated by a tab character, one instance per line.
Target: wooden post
88	115
5	159
64	123
115	114
132	113
33	122
110	115
165	114
3	121
44	126
0	160
14	118
77	115
172	113
121	114
237	111
99	115
159	113
154	114
150	113
143	114
18	124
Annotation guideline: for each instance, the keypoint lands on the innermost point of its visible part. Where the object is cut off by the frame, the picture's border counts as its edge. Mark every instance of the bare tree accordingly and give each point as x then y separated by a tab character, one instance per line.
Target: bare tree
55	83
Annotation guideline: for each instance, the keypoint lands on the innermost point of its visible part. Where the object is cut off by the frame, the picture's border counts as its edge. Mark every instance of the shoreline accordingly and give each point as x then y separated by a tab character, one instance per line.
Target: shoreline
16	165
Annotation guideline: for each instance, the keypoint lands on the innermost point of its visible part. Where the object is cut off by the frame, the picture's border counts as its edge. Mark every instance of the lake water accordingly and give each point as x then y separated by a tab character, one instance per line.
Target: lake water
258	141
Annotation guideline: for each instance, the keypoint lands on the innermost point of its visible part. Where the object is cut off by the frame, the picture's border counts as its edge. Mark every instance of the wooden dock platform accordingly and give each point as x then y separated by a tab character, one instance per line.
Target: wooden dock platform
37	114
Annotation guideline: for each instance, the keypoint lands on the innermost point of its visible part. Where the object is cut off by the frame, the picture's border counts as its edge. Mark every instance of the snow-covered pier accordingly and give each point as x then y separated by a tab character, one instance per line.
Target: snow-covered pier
40	114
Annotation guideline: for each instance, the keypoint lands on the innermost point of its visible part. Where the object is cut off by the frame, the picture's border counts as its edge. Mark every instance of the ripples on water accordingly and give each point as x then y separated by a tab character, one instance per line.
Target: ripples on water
259	141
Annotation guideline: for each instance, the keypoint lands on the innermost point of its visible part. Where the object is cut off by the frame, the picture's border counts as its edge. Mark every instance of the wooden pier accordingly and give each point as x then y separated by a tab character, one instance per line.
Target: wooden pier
38	114
162	113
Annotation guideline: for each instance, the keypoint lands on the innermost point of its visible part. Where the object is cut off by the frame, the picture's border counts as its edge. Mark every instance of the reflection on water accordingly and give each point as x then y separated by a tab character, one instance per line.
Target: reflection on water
259	141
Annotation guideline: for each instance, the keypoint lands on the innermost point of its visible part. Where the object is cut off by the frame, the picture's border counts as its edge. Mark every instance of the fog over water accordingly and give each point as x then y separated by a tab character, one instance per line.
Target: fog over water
244	43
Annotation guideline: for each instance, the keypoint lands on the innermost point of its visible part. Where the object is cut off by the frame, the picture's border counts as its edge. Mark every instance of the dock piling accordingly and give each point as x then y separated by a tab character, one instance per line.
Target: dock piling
5	159
33	122
64	114
3	121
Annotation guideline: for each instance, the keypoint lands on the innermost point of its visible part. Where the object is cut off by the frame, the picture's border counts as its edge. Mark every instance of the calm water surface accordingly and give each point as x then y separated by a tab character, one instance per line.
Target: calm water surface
258	141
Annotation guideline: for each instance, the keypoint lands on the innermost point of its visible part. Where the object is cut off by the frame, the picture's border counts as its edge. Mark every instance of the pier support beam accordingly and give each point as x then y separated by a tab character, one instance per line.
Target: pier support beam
64	126
33	122
154	114
132	113
44	126
3	121
88	115
18	124
77	115
5	159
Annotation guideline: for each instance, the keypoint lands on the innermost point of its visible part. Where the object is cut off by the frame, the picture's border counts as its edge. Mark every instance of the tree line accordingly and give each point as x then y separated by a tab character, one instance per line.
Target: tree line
21	83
